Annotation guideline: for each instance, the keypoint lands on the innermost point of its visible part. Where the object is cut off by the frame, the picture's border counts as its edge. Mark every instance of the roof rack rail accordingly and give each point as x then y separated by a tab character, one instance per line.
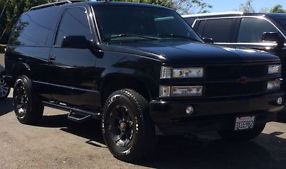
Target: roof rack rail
214	14
61	2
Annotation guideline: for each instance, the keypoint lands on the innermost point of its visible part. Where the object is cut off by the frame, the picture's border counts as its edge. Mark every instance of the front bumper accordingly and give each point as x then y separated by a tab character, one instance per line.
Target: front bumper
212	114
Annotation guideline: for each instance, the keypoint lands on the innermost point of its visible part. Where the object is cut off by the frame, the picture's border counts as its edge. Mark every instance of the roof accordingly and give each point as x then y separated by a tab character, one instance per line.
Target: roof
95	3
222	14
213	14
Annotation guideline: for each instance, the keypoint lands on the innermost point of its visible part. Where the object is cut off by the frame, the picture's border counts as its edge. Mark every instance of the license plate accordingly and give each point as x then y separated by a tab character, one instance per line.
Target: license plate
244	123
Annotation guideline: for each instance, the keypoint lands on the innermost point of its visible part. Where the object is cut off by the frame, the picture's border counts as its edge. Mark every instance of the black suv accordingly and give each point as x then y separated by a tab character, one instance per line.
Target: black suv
262	31
142	70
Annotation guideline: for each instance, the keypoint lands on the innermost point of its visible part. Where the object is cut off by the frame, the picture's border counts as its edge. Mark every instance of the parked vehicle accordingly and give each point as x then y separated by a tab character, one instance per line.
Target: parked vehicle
261	31
4	88
142	70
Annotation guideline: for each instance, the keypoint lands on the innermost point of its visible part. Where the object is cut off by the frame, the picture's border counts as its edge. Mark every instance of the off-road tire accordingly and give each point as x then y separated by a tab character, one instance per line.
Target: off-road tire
31	110
143	139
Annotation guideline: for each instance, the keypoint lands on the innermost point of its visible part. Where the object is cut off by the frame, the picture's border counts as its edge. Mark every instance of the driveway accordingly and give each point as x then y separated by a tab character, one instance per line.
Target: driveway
57	143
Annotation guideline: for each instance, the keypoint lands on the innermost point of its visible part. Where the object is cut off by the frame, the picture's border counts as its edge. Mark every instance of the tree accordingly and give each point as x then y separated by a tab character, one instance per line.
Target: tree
278	9
10	10
247	7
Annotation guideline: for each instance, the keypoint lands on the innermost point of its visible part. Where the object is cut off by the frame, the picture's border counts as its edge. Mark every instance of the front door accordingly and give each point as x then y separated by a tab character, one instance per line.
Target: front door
75	68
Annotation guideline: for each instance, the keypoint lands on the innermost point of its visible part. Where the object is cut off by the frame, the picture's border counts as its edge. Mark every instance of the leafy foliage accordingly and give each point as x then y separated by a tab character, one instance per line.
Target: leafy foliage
278	9
10	10
247	7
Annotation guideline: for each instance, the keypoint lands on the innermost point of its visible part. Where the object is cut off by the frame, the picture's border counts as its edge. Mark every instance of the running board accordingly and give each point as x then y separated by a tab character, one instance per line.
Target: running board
75	114
78	117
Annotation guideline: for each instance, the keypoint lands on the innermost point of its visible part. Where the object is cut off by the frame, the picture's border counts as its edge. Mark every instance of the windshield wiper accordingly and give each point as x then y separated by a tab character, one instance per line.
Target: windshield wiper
112	37
178	36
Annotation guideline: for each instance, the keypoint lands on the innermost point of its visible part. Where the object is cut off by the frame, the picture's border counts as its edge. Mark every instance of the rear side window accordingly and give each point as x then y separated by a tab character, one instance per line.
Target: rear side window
199	26
190	20
74	23
252	29
220	30
35	28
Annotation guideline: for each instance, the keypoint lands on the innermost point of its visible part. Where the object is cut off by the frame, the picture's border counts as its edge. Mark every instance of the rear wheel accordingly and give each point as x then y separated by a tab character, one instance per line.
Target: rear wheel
27	105
242	136
4	89
127	128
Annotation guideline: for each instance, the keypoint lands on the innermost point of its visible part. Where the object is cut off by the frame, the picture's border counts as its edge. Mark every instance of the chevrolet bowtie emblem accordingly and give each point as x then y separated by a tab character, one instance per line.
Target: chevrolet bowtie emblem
244	80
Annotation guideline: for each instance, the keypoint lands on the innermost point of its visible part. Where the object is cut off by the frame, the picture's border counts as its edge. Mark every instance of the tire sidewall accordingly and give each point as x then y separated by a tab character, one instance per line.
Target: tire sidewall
28	89
137	119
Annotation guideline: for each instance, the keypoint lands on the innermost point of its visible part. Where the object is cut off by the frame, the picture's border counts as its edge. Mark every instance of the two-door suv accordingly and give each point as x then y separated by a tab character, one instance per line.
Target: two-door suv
142	70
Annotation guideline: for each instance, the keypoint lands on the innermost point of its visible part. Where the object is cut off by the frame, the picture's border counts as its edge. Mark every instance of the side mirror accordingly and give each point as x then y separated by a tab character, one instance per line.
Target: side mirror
208	40
79	42
274	37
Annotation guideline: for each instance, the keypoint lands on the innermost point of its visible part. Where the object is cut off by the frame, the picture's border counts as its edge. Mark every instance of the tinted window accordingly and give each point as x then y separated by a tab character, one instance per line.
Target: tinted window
154	22
281	20
35	28
252	29
74	23
220	30
190	20
199	26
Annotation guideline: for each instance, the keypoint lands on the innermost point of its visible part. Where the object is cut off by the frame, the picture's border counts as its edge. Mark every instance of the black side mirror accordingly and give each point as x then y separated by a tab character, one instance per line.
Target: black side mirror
274	37
79	42
208	40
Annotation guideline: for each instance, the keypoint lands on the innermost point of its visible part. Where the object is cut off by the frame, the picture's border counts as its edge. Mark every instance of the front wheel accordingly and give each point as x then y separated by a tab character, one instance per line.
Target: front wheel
243	135
27	105
4	89
127	128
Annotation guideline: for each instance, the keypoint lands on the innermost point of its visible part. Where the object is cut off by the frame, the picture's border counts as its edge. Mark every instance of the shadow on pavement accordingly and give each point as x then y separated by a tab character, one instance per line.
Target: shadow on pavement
54	121
268	151
6	106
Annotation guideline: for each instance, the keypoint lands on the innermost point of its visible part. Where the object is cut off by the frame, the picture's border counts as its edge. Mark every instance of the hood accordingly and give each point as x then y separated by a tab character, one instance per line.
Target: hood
193	53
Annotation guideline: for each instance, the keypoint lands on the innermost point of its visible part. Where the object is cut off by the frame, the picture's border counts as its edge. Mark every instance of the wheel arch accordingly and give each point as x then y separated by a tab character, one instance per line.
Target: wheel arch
114	82
21	69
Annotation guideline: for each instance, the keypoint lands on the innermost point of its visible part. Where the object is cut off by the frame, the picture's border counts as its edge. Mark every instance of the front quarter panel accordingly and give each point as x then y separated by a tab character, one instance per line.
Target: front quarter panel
130	66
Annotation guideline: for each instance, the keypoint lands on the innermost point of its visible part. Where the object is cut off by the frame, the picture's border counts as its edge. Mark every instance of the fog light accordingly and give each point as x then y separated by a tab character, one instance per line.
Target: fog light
279	101
190	110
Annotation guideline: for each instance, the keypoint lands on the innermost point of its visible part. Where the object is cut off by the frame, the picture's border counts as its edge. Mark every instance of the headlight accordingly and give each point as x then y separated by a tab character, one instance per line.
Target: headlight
272	69
166	91
195	72
187	91
274	84
192	72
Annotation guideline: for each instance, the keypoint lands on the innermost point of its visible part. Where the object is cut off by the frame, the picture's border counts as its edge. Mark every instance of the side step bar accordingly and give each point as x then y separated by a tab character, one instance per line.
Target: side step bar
78	117
75	114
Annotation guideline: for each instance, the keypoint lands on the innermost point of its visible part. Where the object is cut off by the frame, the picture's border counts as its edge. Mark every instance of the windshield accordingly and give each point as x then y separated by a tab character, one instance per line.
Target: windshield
130	22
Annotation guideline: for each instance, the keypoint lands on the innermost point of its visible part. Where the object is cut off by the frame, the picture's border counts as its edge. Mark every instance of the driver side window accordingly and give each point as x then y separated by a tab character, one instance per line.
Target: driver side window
74	23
